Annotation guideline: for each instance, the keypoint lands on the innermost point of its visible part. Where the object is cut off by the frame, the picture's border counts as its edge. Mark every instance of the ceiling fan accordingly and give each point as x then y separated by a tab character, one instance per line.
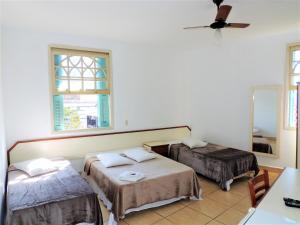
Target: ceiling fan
220	20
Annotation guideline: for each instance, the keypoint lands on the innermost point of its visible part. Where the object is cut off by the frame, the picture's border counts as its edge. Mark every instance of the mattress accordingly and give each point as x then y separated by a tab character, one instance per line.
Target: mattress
62	197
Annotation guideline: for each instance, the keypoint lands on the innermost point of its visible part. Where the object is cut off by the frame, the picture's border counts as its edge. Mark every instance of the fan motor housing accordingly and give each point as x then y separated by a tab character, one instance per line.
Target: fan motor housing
218	25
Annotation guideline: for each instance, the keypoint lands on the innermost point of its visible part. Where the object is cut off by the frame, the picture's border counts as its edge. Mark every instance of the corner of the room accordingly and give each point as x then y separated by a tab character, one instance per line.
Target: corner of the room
3	163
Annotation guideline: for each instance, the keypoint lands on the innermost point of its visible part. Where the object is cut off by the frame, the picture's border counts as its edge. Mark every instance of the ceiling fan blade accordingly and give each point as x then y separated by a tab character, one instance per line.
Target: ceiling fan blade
223	12
237	25
186	28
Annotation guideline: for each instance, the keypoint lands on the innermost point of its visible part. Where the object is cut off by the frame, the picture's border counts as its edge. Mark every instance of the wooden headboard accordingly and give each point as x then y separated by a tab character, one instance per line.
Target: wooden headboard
76	147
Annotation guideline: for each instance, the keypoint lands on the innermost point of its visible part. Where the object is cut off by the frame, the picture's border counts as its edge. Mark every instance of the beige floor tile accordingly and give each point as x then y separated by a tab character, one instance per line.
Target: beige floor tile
240	188
214	222
209	189
273	177
209	207
163	222
122	223
226	197
186	202
188	216
243	205
231	217
207	186
206	182
169	209
145	217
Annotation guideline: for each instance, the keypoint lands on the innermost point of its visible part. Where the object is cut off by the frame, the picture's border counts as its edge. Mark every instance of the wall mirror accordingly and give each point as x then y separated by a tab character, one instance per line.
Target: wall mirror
266	120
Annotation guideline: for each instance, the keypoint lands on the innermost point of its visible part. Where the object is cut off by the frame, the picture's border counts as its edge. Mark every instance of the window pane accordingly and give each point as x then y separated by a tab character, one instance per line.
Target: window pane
89	85
75	85
60	60
101	73
75	61
60	72
100	62
88	73
296	55
101	85
294	80
81	111
88	62
61	85
296	67
75	72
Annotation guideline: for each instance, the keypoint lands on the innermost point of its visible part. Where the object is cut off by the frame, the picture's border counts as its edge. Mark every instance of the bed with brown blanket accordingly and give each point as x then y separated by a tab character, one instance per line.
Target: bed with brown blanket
61	197
165	181
218	163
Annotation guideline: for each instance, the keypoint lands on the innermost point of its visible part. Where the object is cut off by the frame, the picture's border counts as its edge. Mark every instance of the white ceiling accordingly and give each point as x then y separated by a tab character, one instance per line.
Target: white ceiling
149	21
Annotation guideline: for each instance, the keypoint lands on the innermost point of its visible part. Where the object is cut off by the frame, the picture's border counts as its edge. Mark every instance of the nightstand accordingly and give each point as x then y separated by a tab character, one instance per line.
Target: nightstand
159	147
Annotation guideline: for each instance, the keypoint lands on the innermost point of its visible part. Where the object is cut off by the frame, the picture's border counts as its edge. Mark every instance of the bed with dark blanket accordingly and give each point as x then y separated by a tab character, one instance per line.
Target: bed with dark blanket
61	197
262	147
216	162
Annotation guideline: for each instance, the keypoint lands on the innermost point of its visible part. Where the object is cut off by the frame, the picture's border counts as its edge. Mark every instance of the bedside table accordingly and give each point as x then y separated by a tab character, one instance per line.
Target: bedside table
160	147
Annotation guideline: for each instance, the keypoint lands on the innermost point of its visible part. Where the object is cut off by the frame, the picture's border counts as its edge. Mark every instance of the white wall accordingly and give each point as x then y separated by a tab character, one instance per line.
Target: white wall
143	86
265	112
202	84
2	142
218	78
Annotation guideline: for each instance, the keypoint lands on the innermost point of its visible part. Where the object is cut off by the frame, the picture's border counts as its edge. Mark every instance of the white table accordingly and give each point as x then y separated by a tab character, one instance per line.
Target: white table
272	210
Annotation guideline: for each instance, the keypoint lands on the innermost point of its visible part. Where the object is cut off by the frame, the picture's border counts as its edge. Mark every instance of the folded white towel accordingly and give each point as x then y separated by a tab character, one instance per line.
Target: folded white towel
131	176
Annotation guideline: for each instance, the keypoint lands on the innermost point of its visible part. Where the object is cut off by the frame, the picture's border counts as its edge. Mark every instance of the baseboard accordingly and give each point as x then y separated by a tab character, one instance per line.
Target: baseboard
271	168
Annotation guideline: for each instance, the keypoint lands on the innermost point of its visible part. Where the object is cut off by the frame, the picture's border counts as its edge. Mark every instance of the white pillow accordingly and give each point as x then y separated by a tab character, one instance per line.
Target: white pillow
36	167
193	142
139	154
113	159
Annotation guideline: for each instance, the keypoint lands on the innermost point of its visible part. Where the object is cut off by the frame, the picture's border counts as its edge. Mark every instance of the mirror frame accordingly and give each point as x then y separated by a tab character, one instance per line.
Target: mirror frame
278	89
298	129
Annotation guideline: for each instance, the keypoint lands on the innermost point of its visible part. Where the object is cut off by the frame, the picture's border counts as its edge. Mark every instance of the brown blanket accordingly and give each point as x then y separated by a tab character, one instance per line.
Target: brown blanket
215	162
62	197
164	179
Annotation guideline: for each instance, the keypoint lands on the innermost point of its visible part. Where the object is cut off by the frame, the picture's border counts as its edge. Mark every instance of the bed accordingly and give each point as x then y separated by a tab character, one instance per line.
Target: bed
59	197
165	181
263	144
262	147
216	162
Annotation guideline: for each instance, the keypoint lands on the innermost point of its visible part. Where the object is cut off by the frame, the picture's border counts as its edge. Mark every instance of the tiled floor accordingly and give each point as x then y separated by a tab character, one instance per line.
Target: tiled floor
217	207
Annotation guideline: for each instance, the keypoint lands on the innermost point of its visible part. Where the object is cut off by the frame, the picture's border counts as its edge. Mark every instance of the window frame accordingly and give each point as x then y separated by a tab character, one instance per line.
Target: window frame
288	87
52	89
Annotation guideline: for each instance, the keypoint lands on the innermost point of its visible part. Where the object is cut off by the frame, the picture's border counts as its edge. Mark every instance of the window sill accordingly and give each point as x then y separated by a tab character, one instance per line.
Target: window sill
290	128
86	130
